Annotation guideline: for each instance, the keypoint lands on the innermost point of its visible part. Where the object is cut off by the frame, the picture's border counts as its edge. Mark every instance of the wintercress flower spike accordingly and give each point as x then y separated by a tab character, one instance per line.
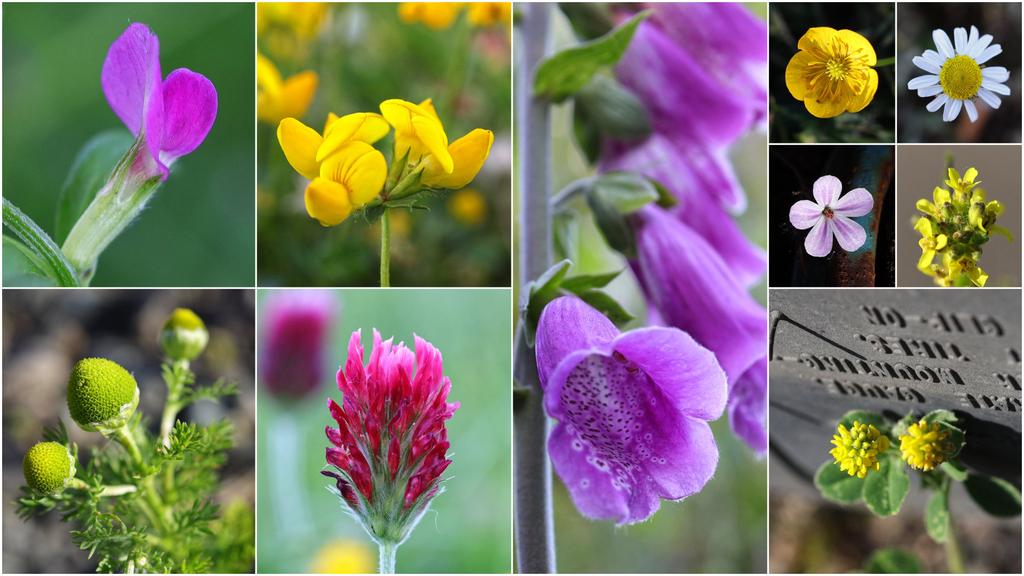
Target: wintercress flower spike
390	447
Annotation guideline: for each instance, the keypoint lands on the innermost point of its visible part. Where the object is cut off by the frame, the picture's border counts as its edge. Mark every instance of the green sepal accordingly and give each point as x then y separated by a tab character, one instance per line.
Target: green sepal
605	304
539	293
994	495
612	224
612	109
885	489
838	486
582	282
90	171
626	192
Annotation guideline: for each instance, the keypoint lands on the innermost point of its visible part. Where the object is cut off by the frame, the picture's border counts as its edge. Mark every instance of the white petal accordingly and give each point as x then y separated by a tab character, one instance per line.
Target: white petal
989	98
942	43
995	87
972	112
989	53
972	38
980	45
952	110
995	73
929	91
937	103
922	81
960	39
827	189
927	66
934	58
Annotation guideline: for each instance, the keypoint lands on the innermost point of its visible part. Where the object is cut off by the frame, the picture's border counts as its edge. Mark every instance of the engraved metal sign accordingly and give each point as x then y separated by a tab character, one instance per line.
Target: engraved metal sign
895	351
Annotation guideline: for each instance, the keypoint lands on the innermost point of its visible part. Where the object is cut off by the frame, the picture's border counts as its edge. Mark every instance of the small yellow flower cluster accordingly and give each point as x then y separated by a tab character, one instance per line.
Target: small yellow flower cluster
956	223
441	15
925	445
857	449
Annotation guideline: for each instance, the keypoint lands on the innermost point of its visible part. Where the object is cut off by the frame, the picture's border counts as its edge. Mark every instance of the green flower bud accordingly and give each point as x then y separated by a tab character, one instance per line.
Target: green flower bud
101	395
184	335
48	467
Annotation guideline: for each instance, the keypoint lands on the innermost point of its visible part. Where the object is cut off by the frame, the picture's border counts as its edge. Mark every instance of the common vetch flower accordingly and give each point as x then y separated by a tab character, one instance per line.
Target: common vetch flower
833	72
956	77
278	98
390	447
925	445
297	331
631	410
831	215
48	467
857	449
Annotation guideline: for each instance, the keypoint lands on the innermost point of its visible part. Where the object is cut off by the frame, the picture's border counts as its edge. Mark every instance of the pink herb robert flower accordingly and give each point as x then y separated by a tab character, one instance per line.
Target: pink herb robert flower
170	116
632	411
831	215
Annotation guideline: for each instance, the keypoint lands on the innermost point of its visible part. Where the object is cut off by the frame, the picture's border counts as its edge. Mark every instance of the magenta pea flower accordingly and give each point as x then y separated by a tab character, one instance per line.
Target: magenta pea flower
632	411
170	117
831	215
297	335
390	447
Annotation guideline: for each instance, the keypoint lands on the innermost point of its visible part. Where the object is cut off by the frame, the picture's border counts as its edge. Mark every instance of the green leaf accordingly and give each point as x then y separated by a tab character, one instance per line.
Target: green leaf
994	495
612	224
625	191
577	284
864	417
936	515
40	245
954	470
836	485
606	305
89	172
885	489
566	72
892	561
612	109
22	267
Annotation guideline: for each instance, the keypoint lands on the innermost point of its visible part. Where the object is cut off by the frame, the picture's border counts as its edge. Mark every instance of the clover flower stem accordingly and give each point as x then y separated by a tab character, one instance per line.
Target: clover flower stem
385	250
386	564
534	523
954	560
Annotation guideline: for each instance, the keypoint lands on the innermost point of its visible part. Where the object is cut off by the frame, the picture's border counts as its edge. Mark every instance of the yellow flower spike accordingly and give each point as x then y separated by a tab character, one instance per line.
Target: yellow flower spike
484	14
417	132
277	98
300	144
436	15
832	72
348	180
857	449
468	156
925	445
359	127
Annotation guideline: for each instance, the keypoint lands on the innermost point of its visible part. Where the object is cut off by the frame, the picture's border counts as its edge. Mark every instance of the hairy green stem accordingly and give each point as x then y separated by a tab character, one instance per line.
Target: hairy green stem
388	550
385	250
160	514
954	559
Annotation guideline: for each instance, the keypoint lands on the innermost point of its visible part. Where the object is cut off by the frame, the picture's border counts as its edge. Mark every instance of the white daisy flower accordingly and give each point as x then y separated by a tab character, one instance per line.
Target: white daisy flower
956	76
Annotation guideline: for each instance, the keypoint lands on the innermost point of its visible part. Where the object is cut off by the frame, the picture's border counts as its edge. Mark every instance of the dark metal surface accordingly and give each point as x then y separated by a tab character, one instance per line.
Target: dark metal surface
895	351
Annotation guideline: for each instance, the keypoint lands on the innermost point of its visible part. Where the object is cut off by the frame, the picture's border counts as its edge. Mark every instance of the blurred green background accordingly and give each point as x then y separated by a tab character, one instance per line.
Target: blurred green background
723	528
468	527
365	54
198	228
789	119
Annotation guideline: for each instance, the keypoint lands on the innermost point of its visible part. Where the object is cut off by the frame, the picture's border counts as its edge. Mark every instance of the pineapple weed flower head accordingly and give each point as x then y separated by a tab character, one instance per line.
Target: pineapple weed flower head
390	446
298	327
632	411
831	216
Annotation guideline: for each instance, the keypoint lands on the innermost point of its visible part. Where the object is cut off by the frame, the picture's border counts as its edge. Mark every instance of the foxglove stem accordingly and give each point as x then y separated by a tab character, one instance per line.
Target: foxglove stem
535	538
120	200
385	250
386	564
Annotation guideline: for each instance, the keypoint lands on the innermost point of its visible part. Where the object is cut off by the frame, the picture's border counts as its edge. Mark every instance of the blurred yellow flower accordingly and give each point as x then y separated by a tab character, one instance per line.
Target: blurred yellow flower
302	18
833	72
343	557
489	13
436	15
401	223
277	98
468	206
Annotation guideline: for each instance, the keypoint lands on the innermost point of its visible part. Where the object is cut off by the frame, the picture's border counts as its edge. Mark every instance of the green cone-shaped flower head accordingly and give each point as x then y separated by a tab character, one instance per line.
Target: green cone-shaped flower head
101	394
184	335
48	467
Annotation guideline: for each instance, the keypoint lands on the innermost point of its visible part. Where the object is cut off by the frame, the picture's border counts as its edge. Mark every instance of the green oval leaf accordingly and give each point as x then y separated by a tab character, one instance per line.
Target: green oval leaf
936	515
89	172
892	561
885	490
836	485
994	495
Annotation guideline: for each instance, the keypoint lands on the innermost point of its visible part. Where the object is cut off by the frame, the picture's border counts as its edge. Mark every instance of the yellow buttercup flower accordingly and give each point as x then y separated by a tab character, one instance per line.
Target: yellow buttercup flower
278	98
306	150
348	180
833	72
930	243
925	445
436	15
343	557
489	13
857	449
468	206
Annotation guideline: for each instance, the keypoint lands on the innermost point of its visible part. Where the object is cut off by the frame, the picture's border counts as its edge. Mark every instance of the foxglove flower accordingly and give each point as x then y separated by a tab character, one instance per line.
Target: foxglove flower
390	447
748	407
956	76
632	411
831	215
170	116
298	329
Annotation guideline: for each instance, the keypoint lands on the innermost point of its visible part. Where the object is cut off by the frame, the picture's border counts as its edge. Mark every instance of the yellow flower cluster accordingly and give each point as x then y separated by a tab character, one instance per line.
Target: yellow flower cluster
441	15
278	98
833	72
301	18
857	448
346	172
925	445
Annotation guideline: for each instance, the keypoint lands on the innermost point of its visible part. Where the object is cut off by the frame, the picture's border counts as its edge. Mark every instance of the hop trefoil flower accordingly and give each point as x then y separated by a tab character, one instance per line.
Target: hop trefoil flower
925	445
857	449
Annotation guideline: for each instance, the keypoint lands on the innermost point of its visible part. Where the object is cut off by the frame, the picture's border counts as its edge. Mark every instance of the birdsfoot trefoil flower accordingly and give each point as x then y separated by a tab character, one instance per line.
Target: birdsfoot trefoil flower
831	215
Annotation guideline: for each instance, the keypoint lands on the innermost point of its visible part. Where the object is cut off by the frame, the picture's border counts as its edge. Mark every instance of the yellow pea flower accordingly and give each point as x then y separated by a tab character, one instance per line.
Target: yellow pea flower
468	206
348	180
925	445
278	98
930	243
832	72
436	15
344	557
468	155
306	150
857	448
485	14
418	132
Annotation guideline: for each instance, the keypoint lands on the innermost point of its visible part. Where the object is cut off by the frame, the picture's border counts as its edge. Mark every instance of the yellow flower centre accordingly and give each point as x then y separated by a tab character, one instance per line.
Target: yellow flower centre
960	77
857	448
925	445
837	67
929	243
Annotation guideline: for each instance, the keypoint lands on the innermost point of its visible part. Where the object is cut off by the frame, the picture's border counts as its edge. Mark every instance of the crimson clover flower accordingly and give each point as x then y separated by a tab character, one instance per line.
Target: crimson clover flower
692	288
389	449
298	328
632	411
831	215
170	117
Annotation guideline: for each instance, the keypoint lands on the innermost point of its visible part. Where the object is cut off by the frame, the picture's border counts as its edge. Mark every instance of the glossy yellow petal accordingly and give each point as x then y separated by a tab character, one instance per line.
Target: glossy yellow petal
923	205
857	42
436	15
431	135
970	175
331	117
489	13
328	202
417	131
361	168
940	241
359	127
860	101
978	276
816	37
468	155
428	107
824	109
925	262
941	196
796	74
299	143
